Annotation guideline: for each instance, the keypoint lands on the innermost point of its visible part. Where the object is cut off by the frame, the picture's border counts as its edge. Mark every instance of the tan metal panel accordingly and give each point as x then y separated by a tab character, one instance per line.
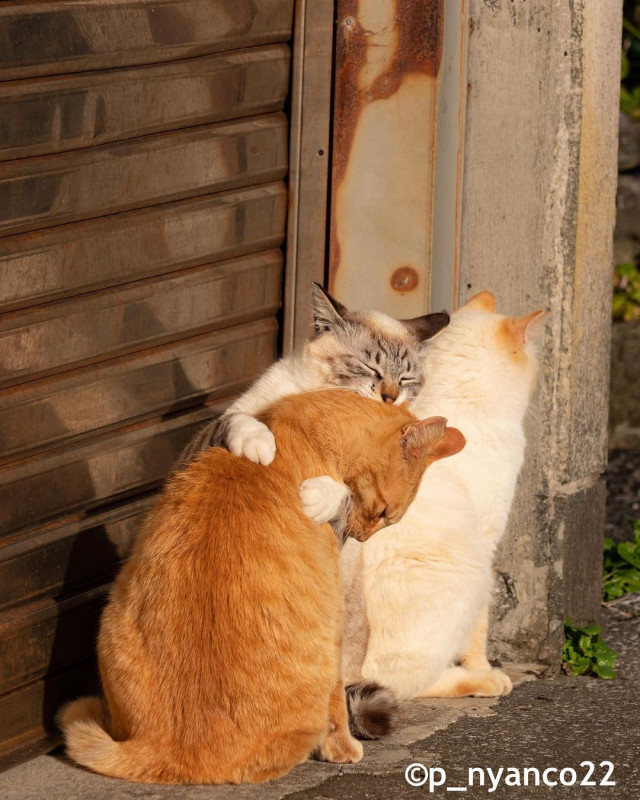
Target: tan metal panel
81	476
49	115
47	412
46	38
50	338
45	636
57	560
50	190
75	258
388	59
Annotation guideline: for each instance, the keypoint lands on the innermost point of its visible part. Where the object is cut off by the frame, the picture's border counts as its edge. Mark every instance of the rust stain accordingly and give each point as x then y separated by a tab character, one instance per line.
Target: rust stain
420	27
404	279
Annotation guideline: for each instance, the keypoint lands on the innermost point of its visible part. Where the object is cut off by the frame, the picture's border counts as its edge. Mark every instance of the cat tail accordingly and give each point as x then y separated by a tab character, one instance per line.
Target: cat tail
82	723
373	710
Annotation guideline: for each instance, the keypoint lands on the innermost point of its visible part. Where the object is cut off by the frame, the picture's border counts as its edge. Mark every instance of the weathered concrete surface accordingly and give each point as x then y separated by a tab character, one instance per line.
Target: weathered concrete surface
544	723
538	215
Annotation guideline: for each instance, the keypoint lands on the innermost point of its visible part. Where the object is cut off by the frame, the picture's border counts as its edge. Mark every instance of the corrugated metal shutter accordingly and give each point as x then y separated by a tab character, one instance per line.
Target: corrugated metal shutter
142	210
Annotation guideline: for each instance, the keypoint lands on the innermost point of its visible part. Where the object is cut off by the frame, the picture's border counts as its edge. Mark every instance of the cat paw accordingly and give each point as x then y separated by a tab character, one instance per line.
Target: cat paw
323	497
491	683
503	679
250	438
464	682
340	748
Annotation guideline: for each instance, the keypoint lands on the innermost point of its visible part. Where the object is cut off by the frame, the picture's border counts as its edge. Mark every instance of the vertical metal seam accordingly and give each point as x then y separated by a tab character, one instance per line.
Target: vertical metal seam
295	149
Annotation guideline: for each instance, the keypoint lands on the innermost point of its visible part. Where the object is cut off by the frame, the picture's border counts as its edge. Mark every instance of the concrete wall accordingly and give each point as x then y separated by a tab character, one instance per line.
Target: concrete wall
537	222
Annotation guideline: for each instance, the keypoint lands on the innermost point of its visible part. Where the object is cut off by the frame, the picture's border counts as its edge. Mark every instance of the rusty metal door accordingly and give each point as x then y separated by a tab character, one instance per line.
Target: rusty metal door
400	88
143	148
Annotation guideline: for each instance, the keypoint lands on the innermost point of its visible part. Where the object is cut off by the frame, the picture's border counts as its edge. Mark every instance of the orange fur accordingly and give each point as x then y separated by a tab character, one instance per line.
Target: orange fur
219	649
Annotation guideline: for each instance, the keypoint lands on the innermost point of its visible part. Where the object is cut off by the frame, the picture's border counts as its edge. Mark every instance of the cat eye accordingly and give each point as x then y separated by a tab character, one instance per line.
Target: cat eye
382	514
375	372
407	379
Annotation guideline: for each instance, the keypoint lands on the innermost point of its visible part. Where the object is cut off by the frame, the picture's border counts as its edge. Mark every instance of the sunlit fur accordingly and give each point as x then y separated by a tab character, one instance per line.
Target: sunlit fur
370	353
363	351
428	580
219	649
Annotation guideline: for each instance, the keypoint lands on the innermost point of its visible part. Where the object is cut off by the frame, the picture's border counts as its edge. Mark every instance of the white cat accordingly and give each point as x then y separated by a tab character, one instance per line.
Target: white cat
427	581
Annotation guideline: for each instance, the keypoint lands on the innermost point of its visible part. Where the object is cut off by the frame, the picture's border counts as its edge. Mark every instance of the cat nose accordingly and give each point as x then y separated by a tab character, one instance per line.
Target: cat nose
387	397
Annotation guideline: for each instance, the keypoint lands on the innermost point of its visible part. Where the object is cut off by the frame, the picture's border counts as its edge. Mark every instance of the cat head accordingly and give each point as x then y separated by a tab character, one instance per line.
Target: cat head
486	354
387	476
369	352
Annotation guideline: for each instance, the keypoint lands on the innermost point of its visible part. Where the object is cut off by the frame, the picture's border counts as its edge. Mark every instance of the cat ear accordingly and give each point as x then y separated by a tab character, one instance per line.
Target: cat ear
525	328
327	312
427	326
451	443
421	435
431	437
483	301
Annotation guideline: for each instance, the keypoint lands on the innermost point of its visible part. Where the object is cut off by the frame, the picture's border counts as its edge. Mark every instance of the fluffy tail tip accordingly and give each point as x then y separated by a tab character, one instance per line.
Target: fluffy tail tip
373	710
86	709
85	738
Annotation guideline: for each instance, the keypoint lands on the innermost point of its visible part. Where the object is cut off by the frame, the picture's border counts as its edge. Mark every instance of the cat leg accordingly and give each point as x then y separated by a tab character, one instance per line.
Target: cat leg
475	658
475	677
241	434
327	500
251	438
355	628
339	745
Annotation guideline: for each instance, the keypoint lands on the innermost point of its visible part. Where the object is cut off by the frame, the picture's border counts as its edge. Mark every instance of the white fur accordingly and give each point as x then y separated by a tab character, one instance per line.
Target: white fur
322	497
248	436
251	438
428	579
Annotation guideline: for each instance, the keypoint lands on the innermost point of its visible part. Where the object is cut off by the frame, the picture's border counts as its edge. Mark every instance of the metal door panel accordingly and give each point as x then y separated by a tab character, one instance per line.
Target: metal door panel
26	714
40	38
48	339
388	62
81	476
51	190
141	208
83	256
47	412
47	635
49	115
53	561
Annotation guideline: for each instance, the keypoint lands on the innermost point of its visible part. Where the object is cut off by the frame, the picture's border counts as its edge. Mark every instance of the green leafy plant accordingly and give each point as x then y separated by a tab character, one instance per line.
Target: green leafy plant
626	292
621	569
586	653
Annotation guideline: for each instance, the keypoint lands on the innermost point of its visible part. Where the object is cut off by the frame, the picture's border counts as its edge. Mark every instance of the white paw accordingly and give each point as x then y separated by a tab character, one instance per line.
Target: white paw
322	497
503	680
250	438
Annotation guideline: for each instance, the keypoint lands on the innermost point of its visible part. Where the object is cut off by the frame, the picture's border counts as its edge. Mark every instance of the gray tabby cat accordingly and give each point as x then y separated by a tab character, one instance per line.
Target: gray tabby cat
369	352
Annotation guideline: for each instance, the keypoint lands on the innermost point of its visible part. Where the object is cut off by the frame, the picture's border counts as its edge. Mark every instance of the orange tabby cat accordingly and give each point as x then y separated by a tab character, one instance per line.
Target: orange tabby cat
219	650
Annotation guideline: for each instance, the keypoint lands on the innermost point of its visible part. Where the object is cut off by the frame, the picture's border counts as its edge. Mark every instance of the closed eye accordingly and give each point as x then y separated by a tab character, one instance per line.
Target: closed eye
374	372
407	379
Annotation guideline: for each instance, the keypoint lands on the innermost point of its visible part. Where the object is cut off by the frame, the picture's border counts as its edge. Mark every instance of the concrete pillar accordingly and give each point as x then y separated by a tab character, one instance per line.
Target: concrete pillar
537	221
